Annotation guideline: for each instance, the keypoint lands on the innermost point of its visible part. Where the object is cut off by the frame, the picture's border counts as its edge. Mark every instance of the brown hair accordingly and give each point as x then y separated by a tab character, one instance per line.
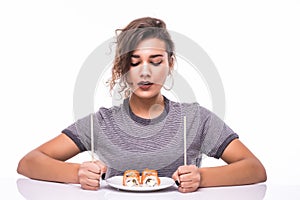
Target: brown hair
128	39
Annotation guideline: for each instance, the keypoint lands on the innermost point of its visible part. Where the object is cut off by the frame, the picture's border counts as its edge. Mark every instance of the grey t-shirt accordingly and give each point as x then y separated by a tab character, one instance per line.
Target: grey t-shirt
125	141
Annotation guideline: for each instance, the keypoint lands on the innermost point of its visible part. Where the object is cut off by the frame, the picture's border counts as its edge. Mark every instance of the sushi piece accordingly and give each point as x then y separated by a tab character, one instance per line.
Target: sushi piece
131	178
150	178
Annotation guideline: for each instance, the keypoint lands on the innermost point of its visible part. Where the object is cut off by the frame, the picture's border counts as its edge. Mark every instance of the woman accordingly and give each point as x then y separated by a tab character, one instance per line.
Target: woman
146	130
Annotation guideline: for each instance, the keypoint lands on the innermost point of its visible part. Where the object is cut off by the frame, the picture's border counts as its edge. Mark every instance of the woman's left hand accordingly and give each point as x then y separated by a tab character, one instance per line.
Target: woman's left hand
188	177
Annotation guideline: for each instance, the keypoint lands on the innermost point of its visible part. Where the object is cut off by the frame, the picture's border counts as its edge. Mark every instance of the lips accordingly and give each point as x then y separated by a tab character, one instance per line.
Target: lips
144	84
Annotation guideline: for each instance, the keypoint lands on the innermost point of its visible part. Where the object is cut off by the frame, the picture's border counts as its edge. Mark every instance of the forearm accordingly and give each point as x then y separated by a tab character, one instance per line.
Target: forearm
246	171
37	165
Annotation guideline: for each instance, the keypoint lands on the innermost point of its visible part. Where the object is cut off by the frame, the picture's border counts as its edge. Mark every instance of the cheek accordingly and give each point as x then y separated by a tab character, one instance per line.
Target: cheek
130	73
131	76
162	74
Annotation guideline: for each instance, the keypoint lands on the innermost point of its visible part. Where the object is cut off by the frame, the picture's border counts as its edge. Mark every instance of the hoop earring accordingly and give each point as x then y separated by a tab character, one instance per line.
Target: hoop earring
172	83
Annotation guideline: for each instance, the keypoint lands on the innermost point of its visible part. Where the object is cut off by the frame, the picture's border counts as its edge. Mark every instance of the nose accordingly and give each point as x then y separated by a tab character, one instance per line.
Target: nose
145	70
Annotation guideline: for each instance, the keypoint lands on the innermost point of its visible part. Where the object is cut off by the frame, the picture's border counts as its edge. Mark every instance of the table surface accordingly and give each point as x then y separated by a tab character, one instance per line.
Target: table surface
24	188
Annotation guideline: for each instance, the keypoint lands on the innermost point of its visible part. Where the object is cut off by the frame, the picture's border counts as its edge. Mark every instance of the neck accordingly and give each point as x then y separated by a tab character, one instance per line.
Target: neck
147	108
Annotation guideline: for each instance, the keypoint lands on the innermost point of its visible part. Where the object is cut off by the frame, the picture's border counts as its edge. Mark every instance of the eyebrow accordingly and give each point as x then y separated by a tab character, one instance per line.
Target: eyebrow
152	56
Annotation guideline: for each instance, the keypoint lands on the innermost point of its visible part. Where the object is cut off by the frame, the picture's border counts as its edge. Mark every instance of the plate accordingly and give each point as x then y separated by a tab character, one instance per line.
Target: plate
117	182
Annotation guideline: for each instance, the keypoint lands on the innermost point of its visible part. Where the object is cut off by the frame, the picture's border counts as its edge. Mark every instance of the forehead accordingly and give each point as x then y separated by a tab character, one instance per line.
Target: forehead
150	46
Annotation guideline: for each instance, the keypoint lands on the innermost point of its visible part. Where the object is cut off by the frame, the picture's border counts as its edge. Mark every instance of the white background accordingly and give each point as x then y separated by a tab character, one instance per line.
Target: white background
255	46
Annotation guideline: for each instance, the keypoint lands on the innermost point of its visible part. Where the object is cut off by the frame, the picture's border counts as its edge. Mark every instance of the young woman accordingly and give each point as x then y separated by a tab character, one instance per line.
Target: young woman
146	131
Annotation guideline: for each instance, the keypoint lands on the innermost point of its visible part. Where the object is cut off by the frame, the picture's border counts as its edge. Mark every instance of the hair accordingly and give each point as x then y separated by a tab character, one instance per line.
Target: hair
128	38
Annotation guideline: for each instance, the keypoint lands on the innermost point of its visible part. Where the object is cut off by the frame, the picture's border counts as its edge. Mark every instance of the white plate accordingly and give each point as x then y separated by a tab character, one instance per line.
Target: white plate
117	182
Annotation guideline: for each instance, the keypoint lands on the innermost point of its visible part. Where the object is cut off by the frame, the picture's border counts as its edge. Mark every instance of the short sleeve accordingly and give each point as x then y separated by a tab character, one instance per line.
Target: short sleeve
216	134
80	133
71	133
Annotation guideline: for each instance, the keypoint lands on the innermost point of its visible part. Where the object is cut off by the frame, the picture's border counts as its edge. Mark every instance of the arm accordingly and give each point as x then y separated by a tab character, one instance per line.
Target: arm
47	162
243	168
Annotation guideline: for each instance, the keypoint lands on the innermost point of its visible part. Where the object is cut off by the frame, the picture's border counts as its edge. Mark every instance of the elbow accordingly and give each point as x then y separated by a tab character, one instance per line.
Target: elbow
263	177
260	173
21	166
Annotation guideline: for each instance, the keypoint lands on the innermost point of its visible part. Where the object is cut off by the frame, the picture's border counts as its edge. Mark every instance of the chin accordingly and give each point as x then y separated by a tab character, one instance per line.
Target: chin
146	94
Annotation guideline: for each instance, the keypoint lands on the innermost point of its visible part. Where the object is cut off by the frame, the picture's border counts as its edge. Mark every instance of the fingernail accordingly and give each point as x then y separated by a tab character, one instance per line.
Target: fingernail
103	176
177	183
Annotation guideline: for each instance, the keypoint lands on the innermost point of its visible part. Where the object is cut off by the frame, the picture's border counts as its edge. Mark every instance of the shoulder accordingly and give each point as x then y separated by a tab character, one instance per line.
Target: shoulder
193	107
104	112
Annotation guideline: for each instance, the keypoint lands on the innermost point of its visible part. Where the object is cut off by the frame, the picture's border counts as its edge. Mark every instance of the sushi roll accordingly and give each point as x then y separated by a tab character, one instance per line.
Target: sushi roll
131	178
150	178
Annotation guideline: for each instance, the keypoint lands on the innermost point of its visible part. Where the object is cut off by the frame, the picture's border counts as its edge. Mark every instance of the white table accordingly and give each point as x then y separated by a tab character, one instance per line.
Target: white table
24	188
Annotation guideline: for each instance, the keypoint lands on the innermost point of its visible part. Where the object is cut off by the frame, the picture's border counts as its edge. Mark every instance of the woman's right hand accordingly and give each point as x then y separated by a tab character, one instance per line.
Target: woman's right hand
89	174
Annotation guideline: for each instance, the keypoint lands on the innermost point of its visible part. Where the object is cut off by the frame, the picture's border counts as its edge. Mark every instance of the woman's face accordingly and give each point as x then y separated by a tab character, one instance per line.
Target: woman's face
149	68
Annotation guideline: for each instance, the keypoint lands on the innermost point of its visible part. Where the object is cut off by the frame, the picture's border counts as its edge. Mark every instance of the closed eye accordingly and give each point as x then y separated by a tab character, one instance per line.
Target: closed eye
156	63
134	64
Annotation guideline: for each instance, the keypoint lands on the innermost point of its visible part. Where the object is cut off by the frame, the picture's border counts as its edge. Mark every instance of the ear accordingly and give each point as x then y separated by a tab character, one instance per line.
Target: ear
171	63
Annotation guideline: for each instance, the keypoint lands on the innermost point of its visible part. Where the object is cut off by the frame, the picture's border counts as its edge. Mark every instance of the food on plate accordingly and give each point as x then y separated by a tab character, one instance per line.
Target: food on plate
131	178
150	178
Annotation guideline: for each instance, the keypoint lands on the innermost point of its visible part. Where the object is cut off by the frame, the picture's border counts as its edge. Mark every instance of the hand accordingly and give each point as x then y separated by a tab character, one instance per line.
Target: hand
89	174
188	177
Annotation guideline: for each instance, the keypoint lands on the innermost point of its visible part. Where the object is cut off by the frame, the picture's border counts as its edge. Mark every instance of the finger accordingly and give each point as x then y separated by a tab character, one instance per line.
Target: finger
101	165
181	174
189	184
89	187
186	184
95	168
188	177
91	166
175	177
92	182
84	175
187	189
93	176
89	184
103	168
184	170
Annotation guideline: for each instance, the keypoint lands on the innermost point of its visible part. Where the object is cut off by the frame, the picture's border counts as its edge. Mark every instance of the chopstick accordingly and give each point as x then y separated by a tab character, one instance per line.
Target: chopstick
92	146
92	138
184	139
